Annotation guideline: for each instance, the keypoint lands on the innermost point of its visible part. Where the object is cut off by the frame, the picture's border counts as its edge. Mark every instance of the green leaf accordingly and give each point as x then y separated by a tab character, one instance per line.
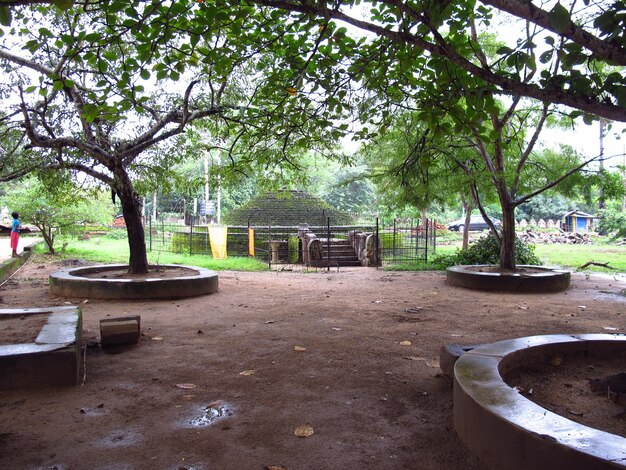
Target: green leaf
64	4
559	18
546	57
588	118
46	32
5	16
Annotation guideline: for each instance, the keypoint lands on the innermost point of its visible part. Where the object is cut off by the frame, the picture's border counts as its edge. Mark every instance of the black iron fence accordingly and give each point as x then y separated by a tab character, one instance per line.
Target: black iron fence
399	242
407	240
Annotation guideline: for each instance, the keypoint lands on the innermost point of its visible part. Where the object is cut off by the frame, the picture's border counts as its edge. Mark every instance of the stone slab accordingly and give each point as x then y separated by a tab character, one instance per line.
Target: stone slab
55	358
123	330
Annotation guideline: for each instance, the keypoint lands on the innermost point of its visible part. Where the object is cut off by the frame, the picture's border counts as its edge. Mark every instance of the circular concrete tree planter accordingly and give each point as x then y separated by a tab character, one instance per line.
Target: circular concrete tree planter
508	431
533	279
85	282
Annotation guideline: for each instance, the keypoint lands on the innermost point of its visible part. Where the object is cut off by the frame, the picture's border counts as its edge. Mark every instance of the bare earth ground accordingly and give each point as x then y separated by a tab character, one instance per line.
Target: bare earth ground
373	400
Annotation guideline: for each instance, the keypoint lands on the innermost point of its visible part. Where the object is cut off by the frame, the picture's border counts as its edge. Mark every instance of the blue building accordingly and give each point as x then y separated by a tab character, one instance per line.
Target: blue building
577	221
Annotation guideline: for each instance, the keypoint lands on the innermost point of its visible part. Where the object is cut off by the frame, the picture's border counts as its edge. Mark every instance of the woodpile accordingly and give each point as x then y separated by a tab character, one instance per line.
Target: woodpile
531	236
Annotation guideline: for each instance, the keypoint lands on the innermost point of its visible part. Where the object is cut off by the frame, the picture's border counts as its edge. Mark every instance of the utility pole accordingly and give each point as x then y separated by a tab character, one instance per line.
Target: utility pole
154	203
601	202
206	186
624	178
219	187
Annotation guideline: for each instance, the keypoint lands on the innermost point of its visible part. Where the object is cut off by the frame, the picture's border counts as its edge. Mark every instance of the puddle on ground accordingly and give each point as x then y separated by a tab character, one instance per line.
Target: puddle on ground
121	438
211	413
610	296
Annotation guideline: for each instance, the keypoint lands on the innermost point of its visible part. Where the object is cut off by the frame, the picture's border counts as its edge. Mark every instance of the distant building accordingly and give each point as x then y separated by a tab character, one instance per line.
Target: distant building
119	221
577	221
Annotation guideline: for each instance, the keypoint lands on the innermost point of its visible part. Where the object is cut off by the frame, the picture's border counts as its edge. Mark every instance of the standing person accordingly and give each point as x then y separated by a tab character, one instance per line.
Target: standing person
15	234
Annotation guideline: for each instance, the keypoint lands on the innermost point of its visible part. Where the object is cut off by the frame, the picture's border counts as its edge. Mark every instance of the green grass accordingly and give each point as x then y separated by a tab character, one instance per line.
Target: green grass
566	256
574	256
107	250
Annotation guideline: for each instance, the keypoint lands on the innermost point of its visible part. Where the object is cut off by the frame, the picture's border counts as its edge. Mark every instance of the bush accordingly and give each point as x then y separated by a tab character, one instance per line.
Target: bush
486	250
117	234
613	222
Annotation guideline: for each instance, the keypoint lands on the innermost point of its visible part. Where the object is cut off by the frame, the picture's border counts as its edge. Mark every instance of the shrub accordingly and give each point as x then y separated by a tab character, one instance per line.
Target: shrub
117	234
613	222
486	250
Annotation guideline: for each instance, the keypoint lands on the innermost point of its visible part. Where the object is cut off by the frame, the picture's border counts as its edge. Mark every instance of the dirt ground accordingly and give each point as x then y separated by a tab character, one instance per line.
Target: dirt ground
223	381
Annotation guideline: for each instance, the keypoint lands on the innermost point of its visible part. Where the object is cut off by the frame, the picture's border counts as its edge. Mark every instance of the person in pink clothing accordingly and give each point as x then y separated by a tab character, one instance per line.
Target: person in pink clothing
15	234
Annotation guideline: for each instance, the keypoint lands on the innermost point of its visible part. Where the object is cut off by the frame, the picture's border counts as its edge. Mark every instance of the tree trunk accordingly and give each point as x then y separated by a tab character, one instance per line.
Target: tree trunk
507	243
47	237
467	208
131	209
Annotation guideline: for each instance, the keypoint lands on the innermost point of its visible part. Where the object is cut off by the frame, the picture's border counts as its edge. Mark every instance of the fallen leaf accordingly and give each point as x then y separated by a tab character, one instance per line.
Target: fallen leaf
610	328
405	343
274	467
186	386
582	307
156	338
377	301
335	328
269	322
413	309
415	358
247	372
188	397
299	348
523	307
86	301
433	364
304	430
556	361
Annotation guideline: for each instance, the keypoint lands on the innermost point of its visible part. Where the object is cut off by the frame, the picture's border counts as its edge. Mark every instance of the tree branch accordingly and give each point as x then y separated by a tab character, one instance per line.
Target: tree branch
525	10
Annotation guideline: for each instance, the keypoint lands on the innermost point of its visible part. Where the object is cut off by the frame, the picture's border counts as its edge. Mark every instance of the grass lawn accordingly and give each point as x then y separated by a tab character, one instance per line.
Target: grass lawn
108	250
574	256
566	256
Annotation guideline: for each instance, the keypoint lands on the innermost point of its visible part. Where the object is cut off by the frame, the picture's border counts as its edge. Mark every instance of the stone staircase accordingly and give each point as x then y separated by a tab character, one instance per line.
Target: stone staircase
341	253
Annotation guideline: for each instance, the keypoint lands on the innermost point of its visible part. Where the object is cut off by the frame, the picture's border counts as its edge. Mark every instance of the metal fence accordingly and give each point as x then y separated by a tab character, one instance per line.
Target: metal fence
400	242
407	240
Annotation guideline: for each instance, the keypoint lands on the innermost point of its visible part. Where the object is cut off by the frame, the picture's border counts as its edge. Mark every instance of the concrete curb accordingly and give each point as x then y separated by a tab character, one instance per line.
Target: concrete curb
508	431
548	280
8	267
71	283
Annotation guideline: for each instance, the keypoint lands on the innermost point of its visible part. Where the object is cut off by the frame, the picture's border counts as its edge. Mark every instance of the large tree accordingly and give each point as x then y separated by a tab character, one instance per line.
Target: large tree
103	90
560	56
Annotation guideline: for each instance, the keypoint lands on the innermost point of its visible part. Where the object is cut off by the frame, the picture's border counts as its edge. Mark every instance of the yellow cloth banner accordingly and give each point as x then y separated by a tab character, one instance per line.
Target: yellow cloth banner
251	241
218	235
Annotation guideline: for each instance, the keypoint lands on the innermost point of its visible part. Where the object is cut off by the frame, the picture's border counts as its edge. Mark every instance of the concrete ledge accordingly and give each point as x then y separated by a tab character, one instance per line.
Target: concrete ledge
547	280
508	431
71	283
11	265
53	360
